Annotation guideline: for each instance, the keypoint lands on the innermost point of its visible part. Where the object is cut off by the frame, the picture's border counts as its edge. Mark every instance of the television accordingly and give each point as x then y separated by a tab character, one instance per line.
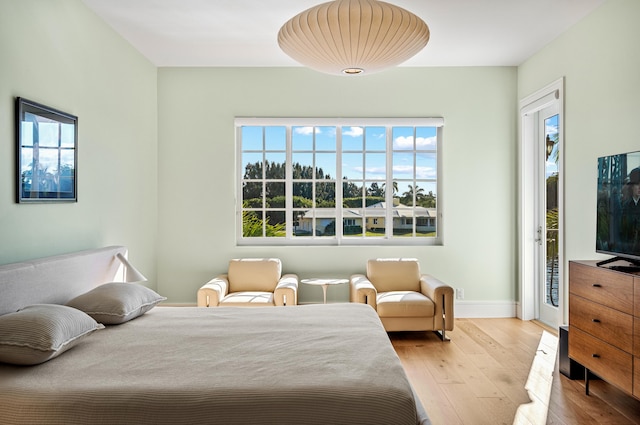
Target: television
618	209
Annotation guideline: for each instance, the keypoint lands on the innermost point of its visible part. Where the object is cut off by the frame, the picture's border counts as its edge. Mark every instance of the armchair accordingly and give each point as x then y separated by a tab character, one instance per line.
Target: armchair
250	282
404	299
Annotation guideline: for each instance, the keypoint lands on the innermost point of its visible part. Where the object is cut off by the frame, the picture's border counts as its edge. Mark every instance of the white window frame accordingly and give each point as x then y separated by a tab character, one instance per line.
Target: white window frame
339	239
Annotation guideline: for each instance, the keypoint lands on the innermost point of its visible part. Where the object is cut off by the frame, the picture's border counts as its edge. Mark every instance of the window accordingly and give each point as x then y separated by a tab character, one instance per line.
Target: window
338	181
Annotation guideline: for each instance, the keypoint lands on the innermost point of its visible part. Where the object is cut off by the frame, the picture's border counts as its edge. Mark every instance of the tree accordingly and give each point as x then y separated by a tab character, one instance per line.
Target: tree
395	187
552	250
350	189
326	192
252	226
407	197
428	200
375	190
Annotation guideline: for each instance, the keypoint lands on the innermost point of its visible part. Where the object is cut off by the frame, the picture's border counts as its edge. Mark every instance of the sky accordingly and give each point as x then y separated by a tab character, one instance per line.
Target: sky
551	130
363	152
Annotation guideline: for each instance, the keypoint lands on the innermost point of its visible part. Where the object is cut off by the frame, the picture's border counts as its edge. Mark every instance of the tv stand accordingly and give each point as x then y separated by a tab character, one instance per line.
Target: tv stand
604	336
633	267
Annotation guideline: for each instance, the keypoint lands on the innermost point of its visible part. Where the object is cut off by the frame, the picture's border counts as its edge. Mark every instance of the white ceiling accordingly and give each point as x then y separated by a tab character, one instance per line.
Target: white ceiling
243	32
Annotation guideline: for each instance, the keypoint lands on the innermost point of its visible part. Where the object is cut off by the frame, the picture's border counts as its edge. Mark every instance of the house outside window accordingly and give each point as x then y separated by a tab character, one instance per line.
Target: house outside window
379	179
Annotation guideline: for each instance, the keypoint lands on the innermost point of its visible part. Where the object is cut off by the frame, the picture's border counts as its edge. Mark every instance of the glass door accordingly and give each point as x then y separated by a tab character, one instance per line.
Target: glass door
548	232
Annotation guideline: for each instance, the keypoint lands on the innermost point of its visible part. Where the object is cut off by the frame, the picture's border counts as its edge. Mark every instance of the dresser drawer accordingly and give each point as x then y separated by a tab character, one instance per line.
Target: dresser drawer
605	323
636	336
602	286
636	296
609	363
636	377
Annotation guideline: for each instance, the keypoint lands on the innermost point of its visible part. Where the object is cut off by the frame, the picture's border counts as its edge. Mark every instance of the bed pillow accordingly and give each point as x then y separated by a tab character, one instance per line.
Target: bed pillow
40	332
116	302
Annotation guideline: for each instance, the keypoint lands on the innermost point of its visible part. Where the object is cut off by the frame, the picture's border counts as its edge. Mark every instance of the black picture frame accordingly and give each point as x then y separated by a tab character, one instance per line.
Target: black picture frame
47	153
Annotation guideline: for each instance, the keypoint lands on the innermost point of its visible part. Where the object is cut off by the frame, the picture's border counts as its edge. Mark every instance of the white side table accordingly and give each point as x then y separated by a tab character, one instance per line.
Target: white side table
324	282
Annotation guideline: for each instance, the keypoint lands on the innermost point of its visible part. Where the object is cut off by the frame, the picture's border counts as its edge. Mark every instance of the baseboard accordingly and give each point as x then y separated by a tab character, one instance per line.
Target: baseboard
484	309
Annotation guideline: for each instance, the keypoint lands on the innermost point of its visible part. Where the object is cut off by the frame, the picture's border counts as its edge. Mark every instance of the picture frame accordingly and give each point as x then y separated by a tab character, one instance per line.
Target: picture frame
47	153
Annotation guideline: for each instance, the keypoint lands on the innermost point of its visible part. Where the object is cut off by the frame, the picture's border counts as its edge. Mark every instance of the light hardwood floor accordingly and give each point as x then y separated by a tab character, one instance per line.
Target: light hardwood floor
504	371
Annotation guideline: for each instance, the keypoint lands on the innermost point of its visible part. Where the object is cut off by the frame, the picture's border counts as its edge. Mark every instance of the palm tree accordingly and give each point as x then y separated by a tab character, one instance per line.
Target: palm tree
252	226
408	195
395	187
552	252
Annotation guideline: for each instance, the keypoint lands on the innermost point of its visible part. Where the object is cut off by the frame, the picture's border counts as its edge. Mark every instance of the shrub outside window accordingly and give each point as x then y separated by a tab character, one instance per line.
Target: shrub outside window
324	181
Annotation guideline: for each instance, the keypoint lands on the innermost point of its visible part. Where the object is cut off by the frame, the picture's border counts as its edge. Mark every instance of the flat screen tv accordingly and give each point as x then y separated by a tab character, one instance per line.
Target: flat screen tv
618	208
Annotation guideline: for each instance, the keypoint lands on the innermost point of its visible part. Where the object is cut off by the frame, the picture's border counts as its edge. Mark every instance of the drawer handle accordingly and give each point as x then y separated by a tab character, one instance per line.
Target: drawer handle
597	285
597	356
595	320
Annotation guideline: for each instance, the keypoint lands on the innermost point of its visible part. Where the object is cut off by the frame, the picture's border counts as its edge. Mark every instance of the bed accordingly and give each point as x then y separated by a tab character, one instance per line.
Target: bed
309	364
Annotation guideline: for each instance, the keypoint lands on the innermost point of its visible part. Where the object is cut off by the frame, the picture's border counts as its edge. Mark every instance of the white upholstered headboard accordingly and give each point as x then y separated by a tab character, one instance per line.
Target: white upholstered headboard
58	279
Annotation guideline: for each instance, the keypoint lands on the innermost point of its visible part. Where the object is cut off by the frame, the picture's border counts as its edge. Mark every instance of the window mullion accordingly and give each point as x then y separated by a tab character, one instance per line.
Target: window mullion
339	185
439	185
415	183
288	206
388	194
264	182
239	197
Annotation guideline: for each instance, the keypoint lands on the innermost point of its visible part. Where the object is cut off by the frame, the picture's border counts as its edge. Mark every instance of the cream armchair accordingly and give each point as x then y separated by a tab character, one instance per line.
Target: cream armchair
250	282
405	299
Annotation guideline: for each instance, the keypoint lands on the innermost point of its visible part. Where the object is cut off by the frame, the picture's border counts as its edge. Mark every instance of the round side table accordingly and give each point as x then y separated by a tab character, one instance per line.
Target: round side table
324	282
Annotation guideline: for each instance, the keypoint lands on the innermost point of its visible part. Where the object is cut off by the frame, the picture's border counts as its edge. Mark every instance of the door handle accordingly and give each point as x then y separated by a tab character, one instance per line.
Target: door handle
539	235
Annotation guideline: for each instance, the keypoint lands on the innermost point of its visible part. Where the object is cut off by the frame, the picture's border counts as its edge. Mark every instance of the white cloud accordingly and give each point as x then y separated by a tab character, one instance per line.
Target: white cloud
426	173
354	132
421	172
403	169
551	130
306	130
403	142
376	171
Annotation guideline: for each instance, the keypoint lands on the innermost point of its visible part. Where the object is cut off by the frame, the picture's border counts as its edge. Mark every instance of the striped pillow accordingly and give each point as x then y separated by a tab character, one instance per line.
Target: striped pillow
40	332
116	302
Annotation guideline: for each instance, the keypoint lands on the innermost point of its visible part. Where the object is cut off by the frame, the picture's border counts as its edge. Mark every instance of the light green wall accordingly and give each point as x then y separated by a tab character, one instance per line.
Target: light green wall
157	146
600	60
60	54
197	169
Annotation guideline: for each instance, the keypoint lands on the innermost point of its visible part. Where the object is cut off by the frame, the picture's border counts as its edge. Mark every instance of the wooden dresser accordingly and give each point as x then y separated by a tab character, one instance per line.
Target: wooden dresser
604	323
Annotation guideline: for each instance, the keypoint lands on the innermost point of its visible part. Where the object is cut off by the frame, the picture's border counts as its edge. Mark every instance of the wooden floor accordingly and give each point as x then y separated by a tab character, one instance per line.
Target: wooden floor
504	371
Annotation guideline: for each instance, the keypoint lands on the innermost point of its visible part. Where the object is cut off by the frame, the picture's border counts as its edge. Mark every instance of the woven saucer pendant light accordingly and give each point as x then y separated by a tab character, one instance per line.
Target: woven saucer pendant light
350	37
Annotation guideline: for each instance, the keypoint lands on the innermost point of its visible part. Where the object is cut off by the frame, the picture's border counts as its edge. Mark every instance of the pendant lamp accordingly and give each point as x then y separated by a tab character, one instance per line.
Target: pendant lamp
351	37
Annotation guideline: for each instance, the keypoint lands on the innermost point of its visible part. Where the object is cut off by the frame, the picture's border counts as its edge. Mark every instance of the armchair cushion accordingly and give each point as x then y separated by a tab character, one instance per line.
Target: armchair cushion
404	304
394	274
254	274
248	299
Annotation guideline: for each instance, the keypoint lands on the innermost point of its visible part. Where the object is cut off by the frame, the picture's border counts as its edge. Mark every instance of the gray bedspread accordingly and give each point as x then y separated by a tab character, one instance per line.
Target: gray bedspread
314	364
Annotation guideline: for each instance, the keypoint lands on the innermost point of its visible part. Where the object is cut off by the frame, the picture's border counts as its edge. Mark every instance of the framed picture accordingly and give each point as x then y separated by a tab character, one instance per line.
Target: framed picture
47	153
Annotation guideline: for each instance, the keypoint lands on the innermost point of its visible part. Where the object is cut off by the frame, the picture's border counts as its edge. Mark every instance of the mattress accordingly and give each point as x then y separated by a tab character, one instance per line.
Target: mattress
311	364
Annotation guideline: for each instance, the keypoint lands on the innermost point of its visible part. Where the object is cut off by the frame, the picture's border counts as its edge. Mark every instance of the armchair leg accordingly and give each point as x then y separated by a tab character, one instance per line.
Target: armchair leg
442	335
